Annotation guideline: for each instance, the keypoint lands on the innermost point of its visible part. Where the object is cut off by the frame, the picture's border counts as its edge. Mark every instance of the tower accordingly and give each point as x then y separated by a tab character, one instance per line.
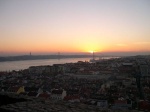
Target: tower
58	55
93	56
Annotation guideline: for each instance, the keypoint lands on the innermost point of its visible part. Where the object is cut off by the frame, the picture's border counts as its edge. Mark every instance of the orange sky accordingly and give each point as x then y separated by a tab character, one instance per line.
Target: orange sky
74	26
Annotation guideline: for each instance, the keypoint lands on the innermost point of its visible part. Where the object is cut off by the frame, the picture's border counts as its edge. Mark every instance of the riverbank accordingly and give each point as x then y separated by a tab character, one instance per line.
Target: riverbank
38	57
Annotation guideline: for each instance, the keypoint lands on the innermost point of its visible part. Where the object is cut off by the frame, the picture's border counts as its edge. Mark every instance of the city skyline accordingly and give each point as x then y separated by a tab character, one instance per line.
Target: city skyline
74	26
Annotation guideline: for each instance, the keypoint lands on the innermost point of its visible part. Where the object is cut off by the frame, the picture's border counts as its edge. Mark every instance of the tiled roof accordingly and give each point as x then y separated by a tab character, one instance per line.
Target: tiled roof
29	89
32	94
44	95
57	91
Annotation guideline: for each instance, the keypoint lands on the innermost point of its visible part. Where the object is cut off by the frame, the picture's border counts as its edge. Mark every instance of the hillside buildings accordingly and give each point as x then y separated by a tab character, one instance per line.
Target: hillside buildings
122	83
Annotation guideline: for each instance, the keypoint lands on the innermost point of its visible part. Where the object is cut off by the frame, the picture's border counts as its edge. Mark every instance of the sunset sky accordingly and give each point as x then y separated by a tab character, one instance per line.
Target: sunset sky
49	26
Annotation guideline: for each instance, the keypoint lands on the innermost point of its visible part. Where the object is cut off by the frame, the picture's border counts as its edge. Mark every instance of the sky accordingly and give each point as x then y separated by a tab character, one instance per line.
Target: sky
71	26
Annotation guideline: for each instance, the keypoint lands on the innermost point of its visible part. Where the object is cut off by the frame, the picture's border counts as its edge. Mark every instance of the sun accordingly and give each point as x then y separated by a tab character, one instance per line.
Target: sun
91	51
90	47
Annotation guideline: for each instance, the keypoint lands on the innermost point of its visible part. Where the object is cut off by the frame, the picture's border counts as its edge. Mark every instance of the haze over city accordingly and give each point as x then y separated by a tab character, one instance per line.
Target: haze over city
74	26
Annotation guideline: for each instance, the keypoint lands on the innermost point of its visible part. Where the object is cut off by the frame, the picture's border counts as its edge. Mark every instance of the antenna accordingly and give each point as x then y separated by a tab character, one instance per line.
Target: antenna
58	55
93	55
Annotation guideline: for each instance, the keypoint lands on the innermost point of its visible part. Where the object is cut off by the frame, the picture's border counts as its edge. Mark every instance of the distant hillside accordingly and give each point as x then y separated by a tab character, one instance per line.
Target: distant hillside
36	57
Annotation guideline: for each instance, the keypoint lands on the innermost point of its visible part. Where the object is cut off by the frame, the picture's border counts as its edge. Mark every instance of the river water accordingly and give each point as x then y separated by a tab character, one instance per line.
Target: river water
20	65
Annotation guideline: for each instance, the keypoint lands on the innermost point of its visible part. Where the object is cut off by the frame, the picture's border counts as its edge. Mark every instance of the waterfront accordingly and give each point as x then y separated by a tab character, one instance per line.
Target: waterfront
109	85
19	65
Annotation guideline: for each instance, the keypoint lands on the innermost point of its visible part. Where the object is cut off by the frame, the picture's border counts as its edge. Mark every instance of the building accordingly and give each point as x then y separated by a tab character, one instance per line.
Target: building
58	94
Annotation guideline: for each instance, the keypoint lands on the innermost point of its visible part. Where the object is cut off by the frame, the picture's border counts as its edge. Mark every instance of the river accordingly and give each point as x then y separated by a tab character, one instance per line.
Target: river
20	65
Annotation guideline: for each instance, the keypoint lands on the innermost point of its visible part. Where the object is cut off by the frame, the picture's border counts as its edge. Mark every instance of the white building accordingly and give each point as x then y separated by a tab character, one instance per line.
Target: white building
58	94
